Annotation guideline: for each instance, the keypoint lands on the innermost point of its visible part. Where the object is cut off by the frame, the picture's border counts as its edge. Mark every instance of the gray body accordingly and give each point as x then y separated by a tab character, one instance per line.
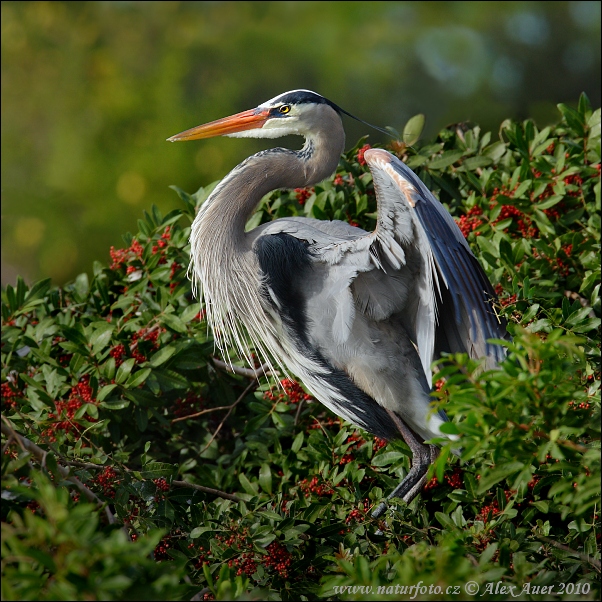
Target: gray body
357	316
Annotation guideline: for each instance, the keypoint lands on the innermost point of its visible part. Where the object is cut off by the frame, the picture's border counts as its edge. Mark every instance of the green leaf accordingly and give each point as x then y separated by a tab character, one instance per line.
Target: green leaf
270	515
190	312
174	322
136	379
472	163
105	391
573	118
265	478
497	474
119	404
413	129
124	370
298	442
161	356
445	521
446	159
156	470
250	488
198	531
387	458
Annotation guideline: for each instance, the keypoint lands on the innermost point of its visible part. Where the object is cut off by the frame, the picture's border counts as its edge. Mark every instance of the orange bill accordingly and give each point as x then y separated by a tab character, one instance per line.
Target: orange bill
247	120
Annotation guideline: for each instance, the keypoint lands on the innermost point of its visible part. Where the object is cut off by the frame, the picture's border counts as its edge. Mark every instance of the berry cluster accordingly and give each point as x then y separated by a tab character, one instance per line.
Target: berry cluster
162	244
469	222
172	273
162	485
557	264
522	221
292	393
278	558
118	352
80	394
150	335
584	405
378	444
454	480
431	484
360	154
161	551
303	194
356	441
490	510
359	514
107	480
531	484
503	298
10	396
314	486
123	256
245	564
201	558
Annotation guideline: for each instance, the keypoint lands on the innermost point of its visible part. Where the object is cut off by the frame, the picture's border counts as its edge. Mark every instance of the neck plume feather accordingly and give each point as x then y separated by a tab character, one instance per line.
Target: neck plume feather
223	266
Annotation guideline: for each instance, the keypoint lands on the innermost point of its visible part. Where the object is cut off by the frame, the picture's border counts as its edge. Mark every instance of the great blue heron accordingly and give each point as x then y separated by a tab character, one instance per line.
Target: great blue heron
358	316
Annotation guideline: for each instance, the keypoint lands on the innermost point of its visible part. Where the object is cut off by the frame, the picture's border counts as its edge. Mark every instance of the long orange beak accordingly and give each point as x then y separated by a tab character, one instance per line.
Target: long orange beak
247	120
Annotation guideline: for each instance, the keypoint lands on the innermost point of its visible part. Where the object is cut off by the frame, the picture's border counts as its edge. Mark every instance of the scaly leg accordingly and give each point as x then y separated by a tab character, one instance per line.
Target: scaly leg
422	457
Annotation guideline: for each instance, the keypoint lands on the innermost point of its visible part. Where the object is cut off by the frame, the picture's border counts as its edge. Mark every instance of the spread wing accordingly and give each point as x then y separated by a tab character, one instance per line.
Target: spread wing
452	306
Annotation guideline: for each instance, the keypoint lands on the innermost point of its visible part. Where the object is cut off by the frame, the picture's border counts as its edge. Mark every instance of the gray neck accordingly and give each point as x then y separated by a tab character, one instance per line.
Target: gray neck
232	203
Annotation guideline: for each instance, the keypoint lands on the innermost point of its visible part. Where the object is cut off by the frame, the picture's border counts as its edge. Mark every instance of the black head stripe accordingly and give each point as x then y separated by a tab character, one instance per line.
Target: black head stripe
299	97
306	96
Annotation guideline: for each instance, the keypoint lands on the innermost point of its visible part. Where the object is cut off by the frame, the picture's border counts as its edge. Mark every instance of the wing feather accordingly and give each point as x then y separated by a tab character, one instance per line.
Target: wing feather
448	262
415	264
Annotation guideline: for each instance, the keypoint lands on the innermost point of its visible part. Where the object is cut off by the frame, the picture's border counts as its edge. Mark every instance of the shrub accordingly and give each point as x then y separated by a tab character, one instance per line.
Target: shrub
197	479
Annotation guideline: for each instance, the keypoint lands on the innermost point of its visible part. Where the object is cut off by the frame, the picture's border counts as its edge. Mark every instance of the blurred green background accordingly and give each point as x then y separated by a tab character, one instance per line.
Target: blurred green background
91	90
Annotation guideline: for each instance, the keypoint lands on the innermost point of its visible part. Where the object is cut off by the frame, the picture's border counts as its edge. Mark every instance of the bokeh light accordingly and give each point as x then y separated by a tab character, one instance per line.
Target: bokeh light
90	92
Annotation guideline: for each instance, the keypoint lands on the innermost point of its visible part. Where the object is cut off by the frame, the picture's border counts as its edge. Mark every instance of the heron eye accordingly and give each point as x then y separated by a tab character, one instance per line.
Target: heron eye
284	109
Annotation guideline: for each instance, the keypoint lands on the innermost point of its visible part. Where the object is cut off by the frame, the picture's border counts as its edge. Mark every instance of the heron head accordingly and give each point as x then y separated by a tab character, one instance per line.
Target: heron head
300	112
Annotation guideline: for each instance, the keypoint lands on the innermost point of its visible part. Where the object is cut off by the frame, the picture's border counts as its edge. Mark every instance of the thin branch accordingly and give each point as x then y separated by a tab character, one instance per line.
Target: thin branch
298	413
248	372
10	432
200	595
250	386
560	546
197	414
216	492
40	455
146	333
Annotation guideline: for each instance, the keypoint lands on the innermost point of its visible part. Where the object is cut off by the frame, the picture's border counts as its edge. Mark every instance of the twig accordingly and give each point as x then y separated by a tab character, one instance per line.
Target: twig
298	413
250	386
200	595
40	455
585	557
146	333
216	492
248	372
10	432
197	414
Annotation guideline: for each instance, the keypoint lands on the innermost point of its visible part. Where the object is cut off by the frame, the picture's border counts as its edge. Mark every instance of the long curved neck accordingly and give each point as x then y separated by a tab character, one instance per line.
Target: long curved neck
232	203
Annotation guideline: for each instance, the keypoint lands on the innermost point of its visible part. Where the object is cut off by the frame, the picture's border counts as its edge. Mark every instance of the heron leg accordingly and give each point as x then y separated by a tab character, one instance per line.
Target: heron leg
422	457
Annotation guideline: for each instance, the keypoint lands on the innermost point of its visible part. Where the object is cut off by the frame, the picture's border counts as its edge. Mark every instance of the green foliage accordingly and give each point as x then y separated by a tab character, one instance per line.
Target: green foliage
207	481
57	552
